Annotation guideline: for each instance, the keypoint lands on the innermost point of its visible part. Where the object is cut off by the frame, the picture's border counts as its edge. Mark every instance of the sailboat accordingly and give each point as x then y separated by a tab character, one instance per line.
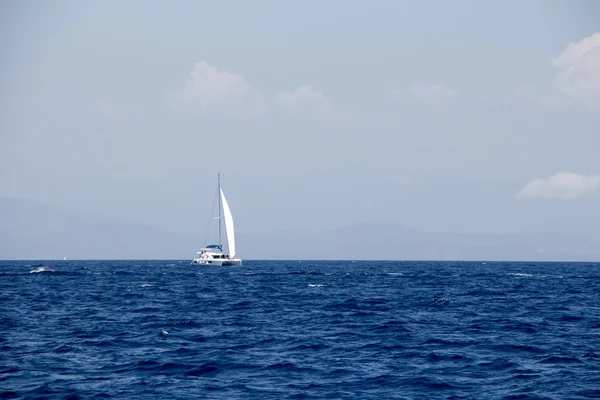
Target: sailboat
213	254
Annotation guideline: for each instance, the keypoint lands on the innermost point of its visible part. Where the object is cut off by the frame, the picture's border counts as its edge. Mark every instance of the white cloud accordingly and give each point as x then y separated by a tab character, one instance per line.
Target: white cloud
563	185
217	92
114	111
579	70
305	100
434	94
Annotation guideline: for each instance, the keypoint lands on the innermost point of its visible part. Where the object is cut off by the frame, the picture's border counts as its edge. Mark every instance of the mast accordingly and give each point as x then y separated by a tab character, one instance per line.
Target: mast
219	194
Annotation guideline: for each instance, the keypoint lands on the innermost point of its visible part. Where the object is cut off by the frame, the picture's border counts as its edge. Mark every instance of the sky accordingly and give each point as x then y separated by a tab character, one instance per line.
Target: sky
463	116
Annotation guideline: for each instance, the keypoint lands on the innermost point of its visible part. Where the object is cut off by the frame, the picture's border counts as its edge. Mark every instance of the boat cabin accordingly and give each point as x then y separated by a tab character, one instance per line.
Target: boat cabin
213	251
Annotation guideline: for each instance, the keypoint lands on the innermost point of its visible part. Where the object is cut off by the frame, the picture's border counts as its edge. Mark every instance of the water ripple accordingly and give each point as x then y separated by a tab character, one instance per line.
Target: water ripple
290	329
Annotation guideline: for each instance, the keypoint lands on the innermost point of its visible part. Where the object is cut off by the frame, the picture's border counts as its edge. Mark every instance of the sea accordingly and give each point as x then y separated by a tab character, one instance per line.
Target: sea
299	330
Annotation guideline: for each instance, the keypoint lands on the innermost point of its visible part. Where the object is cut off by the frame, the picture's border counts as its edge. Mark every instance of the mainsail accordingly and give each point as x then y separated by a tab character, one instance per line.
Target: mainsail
228	225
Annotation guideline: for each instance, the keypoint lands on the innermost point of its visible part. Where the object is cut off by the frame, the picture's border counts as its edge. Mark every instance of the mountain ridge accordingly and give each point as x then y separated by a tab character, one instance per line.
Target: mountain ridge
35	230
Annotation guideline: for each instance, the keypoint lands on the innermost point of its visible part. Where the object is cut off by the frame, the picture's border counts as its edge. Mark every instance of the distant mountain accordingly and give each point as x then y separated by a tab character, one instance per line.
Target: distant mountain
394	242
33	230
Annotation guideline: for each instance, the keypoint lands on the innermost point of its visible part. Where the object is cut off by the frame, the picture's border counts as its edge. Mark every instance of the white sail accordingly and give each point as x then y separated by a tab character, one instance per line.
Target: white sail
228	226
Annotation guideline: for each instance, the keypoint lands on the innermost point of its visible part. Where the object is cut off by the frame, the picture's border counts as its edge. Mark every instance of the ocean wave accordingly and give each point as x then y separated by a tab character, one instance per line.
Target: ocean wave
299	330
38	270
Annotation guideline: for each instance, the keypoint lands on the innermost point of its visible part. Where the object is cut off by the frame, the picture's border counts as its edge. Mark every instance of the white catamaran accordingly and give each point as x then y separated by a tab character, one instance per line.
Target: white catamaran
213	254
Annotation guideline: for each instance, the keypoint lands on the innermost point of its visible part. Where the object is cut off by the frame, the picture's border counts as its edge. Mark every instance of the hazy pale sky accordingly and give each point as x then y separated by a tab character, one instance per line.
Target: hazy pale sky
463	116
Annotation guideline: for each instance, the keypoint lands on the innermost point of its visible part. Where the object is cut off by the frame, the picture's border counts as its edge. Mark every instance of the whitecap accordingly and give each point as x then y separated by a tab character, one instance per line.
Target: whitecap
315	285
519	274
41	269
145	285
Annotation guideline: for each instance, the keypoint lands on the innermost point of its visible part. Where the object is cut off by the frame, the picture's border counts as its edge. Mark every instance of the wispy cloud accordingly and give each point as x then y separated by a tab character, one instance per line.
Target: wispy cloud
524	94
529	95
579	70
305	101
563	185
434	94
209	90
217	92
115	111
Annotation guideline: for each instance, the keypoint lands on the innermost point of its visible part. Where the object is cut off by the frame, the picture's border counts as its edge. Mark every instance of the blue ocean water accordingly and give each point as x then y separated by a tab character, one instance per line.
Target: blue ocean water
299	329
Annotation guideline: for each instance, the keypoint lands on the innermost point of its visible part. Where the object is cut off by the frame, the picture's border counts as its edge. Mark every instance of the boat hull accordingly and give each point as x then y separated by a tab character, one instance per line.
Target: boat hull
231	262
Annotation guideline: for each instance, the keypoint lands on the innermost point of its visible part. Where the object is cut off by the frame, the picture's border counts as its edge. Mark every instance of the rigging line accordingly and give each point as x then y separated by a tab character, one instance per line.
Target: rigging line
211	218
